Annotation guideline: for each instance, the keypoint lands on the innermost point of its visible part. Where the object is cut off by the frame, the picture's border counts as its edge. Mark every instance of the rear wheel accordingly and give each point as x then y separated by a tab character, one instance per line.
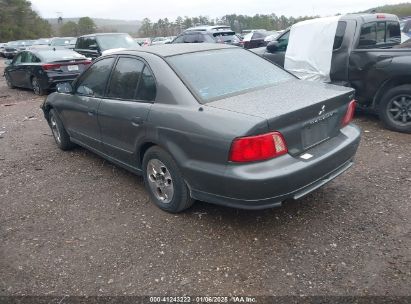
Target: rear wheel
395	109
59	133
164	181
8	81
37	89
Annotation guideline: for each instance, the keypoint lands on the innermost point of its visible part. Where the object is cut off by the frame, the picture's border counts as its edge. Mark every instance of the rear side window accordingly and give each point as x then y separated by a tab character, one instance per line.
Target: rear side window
93	82
124	80
339	35
147	86
380	33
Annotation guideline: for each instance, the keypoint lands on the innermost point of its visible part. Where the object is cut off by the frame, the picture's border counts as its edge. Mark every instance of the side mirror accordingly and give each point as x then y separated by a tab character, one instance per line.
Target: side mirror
272	47
7	62
65	88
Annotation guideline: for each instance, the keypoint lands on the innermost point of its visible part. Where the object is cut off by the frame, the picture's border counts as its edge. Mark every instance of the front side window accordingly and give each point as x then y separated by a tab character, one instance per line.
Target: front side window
283	42
93	82
124	80
17	59
179	39
215	74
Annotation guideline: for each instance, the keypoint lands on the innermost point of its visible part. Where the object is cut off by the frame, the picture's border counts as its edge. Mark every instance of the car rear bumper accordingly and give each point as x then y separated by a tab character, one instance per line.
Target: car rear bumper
266	184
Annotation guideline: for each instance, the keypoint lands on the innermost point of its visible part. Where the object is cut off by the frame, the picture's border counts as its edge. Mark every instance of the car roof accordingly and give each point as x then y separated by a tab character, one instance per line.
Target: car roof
209	28
370	17
102	34
167	50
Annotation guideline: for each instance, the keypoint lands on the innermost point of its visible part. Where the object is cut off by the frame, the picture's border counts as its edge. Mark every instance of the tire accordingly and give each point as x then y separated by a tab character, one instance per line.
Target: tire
8	81
37	89
395	109
164	181
59	133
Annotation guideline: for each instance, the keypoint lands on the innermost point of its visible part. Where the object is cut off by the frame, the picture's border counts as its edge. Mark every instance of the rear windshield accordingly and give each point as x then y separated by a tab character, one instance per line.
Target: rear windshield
116	41
213	75
226	37
380	34
59	55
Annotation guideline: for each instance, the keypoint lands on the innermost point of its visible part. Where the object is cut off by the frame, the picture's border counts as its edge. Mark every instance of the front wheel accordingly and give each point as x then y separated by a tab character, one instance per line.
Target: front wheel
8	81
59	132
164	181
395	109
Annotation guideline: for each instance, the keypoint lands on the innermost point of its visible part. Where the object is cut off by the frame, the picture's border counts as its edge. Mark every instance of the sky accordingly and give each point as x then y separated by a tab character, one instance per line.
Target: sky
155	9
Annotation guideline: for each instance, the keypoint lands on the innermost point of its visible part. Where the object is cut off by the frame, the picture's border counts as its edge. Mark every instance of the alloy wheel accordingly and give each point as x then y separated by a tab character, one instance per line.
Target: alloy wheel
399	109
160	181
55	129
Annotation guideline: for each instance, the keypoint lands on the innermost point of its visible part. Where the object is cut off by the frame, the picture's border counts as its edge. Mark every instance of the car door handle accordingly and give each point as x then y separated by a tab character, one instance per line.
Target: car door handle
137	121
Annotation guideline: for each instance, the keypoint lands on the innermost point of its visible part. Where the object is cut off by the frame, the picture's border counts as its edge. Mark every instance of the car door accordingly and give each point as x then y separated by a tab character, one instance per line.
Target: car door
278	56
123	112
16	70
79	111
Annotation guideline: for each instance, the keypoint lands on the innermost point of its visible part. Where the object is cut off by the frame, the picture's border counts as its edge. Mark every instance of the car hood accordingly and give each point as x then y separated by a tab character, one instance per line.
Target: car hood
280	99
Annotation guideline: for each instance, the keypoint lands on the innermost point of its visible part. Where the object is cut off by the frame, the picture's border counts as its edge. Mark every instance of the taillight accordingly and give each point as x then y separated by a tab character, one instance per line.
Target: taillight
51	66
257	148
86	62
349	114
380	16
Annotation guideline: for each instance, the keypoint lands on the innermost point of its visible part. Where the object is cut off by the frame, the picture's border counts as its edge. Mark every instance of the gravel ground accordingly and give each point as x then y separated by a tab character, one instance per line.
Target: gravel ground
72	223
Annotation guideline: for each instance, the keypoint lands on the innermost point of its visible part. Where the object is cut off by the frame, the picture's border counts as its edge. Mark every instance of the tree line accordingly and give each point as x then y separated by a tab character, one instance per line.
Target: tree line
165	27
19	21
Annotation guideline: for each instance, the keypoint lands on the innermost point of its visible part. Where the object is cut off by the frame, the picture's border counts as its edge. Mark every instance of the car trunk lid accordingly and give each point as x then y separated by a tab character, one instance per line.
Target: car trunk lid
306	113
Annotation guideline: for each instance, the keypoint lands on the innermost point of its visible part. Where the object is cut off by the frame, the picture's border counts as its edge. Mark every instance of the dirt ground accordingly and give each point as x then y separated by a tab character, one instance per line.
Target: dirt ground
73	224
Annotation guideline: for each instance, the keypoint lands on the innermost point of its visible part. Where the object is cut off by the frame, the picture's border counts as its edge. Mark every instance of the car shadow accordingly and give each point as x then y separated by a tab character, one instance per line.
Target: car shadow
310	206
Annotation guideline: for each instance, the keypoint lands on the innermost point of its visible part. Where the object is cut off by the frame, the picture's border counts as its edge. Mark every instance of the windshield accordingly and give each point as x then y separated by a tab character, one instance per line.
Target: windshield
225	72
62	41
116	41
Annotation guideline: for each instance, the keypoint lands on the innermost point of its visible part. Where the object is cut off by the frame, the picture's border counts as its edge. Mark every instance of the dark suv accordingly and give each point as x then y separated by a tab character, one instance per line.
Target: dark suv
208	34
95	45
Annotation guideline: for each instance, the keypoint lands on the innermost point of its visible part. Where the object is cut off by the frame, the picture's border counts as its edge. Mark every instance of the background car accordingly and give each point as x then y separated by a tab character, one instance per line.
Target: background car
10	49
41	43
63	42
2	46
256	39
208	34
405	26
159	40
210	122
40	70
24	44
95	45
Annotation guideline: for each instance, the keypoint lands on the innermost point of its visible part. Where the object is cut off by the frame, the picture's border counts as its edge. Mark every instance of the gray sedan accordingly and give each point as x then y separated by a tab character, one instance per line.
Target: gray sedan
208	122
